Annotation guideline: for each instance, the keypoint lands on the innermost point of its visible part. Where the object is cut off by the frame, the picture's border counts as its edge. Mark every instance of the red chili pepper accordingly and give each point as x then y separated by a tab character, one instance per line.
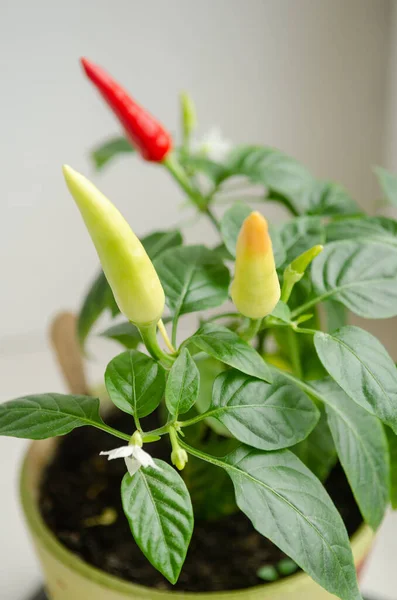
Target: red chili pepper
146	134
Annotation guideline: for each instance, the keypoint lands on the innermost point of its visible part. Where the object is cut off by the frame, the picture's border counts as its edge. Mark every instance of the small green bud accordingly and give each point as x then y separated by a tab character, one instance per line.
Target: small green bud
179	458
301	263
189	117
136	439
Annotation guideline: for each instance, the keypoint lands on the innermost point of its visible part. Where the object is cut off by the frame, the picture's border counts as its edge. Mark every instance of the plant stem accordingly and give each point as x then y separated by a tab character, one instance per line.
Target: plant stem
294	352
160	431
182	179
212	218
115	432
149	337
164	334
250	331
301	309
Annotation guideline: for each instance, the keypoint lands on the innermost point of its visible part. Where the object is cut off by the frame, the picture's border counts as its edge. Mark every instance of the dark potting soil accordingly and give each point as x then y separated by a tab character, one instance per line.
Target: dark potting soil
226	554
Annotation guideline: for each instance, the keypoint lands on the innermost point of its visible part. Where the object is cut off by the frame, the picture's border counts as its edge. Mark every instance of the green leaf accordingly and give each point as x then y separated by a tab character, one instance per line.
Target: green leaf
135	383
263	415
107	151
361	366
156	243
380	229
214	171
328	198
318	450
125	333
277	171
209	369
287	504
282	312
300	234
183	384
46	415
392	444
388	183
231	223
336	315
99	298
362	449
157	505
193	278
362	276
228	347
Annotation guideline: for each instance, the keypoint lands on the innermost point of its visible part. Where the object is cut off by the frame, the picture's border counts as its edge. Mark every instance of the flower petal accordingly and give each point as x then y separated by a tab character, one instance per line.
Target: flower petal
132	465
143	457
121	452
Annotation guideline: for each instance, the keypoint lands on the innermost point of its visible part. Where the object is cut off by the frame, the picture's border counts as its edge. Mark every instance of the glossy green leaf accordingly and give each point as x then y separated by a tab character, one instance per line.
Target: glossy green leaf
327	198
183	384
107	151
360	275
226	346
157	505
388	183
99	299
275	170
318	450
47	415
193	278
336	315
231	223
282	312
263	415
392	445
209	369
125	333
362	449
158	242
380	229
287	504
359	363
135	383
300	234
214	171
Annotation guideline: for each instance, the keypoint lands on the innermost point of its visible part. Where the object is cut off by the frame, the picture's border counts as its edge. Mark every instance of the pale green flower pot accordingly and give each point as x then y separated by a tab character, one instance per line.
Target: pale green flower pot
69	578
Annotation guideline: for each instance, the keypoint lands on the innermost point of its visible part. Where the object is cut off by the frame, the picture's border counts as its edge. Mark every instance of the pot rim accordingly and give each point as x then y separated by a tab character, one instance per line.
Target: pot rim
29	499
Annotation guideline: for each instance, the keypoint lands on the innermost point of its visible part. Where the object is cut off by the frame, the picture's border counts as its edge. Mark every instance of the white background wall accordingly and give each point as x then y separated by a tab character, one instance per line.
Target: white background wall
307	76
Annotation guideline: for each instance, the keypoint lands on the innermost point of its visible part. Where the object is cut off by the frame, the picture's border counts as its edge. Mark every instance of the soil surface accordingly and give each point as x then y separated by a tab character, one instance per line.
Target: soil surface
226	554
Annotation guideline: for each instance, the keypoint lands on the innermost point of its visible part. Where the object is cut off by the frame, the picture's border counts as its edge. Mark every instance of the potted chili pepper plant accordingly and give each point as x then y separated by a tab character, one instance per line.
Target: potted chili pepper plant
248	452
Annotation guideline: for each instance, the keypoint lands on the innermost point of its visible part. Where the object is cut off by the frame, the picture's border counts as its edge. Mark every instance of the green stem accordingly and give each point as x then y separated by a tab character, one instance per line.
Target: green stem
149	337
212	218
250	330
202	455
178	173
115	432
160	431
302	309
295	353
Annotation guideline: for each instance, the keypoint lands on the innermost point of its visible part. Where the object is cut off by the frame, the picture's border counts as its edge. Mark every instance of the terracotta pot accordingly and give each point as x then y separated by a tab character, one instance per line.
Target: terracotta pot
69	578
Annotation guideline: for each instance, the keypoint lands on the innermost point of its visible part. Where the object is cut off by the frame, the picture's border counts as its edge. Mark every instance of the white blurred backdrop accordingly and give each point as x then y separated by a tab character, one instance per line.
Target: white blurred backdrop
315	78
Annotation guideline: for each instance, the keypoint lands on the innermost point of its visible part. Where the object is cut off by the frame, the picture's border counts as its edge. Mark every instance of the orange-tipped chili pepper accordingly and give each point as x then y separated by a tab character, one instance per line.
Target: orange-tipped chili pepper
255	289
145	133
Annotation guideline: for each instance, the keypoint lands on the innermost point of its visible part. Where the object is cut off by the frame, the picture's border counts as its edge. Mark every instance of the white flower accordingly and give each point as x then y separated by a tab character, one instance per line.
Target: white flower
213	145
134	457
